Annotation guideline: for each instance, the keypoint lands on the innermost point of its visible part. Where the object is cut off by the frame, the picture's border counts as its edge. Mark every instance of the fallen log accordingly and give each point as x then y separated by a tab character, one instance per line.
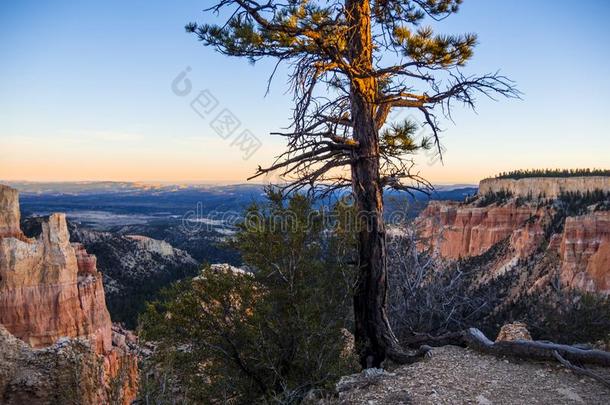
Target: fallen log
526	349
532	349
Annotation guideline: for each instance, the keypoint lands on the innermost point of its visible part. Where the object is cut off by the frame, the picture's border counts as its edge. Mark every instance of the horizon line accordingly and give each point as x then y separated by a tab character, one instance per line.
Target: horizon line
191	182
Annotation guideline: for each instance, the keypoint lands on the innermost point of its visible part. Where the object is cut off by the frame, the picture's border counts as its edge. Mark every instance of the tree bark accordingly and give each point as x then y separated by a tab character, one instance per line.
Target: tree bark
373	335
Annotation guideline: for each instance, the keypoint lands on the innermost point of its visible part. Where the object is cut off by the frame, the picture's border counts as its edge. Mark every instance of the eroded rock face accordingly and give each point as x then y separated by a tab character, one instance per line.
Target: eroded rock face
44	295
9	213
457	230
581	243
51	291
585	252
87	264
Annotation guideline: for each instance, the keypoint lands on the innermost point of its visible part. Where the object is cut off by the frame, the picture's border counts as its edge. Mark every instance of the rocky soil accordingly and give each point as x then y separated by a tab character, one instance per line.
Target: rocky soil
453	375
67	372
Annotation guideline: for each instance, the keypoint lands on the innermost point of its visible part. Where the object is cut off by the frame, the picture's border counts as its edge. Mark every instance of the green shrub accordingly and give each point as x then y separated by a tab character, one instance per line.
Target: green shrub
271	335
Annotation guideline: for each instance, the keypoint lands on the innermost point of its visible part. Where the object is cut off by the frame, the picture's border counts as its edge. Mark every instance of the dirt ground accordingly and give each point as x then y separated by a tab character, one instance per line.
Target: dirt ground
453	375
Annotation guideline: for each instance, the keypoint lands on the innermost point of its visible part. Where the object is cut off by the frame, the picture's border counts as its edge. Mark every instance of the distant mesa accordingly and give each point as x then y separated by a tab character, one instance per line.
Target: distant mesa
547	183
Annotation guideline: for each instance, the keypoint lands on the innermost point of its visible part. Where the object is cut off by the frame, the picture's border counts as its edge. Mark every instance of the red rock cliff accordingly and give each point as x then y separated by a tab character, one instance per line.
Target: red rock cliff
51	289
460	230
585	252
9	213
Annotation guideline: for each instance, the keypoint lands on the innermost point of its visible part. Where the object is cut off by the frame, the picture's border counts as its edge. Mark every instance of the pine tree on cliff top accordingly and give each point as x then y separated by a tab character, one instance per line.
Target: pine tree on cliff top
352	63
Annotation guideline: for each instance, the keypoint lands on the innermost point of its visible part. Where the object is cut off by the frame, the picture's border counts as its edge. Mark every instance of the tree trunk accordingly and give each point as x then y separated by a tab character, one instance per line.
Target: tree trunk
374	337
372	326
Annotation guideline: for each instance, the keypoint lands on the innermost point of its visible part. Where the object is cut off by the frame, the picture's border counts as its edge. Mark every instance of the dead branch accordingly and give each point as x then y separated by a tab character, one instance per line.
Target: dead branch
581	370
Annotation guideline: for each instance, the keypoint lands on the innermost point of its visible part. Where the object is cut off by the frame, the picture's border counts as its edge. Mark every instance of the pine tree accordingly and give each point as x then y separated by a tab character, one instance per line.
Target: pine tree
353	62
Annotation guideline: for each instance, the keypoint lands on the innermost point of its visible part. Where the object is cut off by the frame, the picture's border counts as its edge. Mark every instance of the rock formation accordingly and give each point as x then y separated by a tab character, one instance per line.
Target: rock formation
68	372
42	275
513	331
9	213
459	230
134	267
580	240
51	291
585	252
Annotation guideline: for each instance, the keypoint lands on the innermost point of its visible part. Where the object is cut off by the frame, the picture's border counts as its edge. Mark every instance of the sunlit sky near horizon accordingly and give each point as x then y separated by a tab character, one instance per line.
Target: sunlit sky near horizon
85	93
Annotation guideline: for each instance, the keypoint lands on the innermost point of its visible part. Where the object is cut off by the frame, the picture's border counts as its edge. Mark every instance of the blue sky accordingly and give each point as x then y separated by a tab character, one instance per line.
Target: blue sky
85	93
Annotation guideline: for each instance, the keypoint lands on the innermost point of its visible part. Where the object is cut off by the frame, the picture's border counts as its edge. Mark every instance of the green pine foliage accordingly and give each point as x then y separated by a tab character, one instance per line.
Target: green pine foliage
272	335
523	174
492	197
579	203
